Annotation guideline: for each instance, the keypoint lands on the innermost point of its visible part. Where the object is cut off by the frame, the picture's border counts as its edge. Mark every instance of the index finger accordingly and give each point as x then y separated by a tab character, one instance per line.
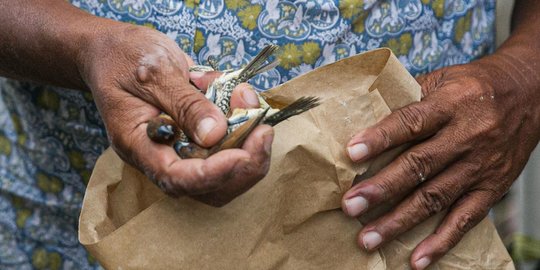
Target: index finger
417	120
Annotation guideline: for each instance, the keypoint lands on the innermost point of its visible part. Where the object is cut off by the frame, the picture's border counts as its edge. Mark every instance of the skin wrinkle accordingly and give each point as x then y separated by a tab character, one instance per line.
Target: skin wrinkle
413	120
433	200
187	110
385	137
418	162
522	80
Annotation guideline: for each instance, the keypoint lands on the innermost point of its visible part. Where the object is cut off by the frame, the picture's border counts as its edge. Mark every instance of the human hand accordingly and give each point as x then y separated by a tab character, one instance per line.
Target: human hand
136	72
473	133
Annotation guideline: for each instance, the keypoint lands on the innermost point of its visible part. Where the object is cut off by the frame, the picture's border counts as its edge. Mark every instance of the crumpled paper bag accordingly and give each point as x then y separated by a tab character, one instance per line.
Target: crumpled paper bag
292	218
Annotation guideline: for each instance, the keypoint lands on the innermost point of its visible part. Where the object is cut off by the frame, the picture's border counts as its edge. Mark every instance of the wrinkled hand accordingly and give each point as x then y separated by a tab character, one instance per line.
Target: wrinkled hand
136	72
472	132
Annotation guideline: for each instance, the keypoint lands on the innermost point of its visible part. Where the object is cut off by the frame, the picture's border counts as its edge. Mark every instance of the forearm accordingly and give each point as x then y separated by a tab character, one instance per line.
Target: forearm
519	55
42	40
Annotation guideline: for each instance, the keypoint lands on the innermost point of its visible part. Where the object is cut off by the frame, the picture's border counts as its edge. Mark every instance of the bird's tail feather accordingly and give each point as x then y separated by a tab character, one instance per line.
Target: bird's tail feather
259	63
299	106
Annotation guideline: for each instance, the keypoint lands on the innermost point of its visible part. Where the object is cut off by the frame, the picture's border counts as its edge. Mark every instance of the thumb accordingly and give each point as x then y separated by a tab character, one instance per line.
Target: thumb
200	119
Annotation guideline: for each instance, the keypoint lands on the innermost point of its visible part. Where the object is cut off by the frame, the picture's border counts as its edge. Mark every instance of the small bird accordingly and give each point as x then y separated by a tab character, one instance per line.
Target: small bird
236	137
162	129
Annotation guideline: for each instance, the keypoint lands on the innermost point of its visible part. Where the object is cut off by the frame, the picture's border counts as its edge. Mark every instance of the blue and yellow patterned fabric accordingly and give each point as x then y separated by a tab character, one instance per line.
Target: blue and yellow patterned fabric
51	137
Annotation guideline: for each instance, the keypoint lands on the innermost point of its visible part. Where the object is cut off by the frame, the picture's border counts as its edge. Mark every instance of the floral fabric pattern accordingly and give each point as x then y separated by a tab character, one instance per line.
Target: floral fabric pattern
50	138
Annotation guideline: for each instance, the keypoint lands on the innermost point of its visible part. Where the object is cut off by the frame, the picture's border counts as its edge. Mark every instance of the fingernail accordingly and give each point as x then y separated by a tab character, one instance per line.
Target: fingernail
356	205
196	75
268	138
250	98
357	151
205	127
371	240
422	263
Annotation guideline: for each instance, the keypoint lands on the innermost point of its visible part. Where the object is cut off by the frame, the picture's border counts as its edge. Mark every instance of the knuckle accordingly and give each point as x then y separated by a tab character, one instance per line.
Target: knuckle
488	127
473	169
417	163
432	200
385	137
476	85
386	189
465	222
397	224
152	77
432	82
450	241
412	119
492	128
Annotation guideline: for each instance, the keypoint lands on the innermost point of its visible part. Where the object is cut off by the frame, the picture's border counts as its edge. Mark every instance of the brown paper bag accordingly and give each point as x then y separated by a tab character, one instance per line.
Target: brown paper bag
292	218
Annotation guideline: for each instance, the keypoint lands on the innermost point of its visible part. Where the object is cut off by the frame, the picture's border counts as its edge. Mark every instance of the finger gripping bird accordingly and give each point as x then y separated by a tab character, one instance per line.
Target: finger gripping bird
162	129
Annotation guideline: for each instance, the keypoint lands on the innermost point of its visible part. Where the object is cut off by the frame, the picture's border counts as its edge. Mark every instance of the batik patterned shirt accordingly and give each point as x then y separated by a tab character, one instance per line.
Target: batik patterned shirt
50	138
